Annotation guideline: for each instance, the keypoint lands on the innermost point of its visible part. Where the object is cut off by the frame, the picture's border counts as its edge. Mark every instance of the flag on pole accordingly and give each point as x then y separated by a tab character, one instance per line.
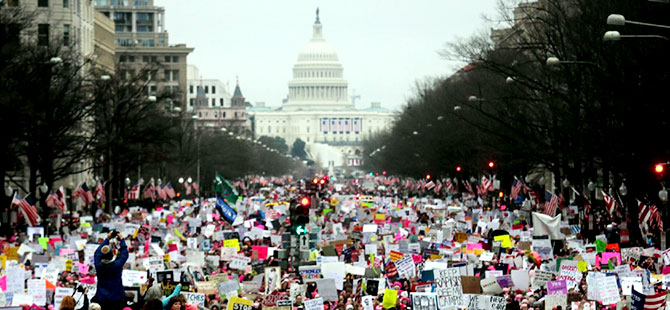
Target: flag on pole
54	200
84	193
224	189
134	192
27	208
640	301
196	190
187	186
160	190
610	203
468	187
149	192
516	188
169	191
430	185
550	203
100	192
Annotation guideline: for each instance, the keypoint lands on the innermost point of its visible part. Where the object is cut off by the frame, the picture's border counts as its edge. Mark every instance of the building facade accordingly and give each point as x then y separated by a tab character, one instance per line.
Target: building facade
104	43
318	110
142	47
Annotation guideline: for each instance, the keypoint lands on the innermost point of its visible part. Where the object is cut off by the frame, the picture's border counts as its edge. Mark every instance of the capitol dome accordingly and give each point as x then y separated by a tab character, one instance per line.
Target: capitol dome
318	82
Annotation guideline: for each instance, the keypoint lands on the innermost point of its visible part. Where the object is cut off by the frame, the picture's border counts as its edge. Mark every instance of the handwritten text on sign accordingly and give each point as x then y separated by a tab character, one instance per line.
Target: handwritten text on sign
448	288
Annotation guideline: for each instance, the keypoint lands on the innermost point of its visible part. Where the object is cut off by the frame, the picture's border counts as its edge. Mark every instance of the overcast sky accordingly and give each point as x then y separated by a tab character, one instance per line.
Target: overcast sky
385	46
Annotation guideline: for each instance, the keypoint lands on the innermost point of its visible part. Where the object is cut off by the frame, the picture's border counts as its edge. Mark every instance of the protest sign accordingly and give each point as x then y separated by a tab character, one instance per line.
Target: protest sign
558	287
327	289
368	303
471	284
424	301
309	272
194	298
239	262
551	301
570	273
483	302
490	286
448	288
608	290
38	289
133	277
540	278
312	304
297	289
390	298
15	279
60	293
236	303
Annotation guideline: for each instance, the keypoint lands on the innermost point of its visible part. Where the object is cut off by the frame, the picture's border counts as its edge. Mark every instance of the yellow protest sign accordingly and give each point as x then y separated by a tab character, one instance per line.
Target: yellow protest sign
166	258
390	298
13	253
85	224
395	256
3	260
505	241
236	303
232	243
44	241
582	266
68	265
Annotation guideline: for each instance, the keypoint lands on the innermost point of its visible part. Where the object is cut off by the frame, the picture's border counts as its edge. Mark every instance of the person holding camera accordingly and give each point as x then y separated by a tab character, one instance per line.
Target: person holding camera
109	266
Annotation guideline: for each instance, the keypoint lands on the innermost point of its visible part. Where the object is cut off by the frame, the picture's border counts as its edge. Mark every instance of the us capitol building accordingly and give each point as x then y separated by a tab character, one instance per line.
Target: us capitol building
318	111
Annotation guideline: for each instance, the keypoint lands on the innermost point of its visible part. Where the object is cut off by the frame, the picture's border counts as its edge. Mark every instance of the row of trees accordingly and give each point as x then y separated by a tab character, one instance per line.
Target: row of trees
548	92
61	115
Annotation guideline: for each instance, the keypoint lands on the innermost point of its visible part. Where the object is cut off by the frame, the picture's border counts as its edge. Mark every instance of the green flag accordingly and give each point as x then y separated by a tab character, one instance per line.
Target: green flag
225	189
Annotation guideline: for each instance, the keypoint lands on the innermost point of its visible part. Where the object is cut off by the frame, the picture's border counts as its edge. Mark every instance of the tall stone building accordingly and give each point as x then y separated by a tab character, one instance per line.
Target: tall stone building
142	46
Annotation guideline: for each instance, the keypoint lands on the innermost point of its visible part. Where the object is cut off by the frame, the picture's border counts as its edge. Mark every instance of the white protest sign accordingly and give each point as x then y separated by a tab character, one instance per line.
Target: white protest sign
369	303
22	299
448	288
520	279
490	286
227	253
483	302
540	278
239	262
552	301
38	289
15	279
405	266
608	290
153	263
194	298
629	283
314	304
60	293
133	277
570	273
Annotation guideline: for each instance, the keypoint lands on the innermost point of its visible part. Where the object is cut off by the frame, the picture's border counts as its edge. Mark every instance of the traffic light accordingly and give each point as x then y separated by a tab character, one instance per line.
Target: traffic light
659	168
491	164
300	215
427	176
315	180
458	168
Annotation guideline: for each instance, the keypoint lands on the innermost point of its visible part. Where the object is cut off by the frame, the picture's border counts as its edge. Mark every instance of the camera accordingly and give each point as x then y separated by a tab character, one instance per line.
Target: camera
81	289
115	233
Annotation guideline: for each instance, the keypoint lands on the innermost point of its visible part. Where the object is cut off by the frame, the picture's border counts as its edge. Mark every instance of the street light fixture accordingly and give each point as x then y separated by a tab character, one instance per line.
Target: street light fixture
181	180
619	20
152	98
415	133
623	190
509	80
105	77
189	180
616	36
56	60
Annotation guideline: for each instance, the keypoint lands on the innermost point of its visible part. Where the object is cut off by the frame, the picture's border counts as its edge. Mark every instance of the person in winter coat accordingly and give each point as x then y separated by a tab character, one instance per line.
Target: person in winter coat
110	293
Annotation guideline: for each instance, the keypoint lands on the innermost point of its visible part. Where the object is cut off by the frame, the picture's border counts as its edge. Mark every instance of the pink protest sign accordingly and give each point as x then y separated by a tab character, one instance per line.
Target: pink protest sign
3	283
473	246
261	250
607	255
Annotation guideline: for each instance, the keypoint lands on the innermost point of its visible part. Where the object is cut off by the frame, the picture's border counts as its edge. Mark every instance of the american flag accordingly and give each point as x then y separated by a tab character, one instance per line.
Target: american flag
640	301
487	185
149	192
649	217
55	200
160	190
533	196
82	191
27	209
516	188
438	187
196	189
430	185
468	187
550	203
169	191
187	185
610	203
134	192
100	192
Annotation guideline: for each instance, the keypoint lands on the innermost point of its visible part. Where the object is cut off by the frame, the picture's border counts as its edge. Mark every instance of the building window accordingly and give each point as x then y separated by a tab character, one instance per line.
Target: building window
224	116
43	34
13	3
43	3
307	129
66	34
213	89
175	75
175	59
221	101
66	3
191	101
141	3
206	89
213	102
190	89
153	89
